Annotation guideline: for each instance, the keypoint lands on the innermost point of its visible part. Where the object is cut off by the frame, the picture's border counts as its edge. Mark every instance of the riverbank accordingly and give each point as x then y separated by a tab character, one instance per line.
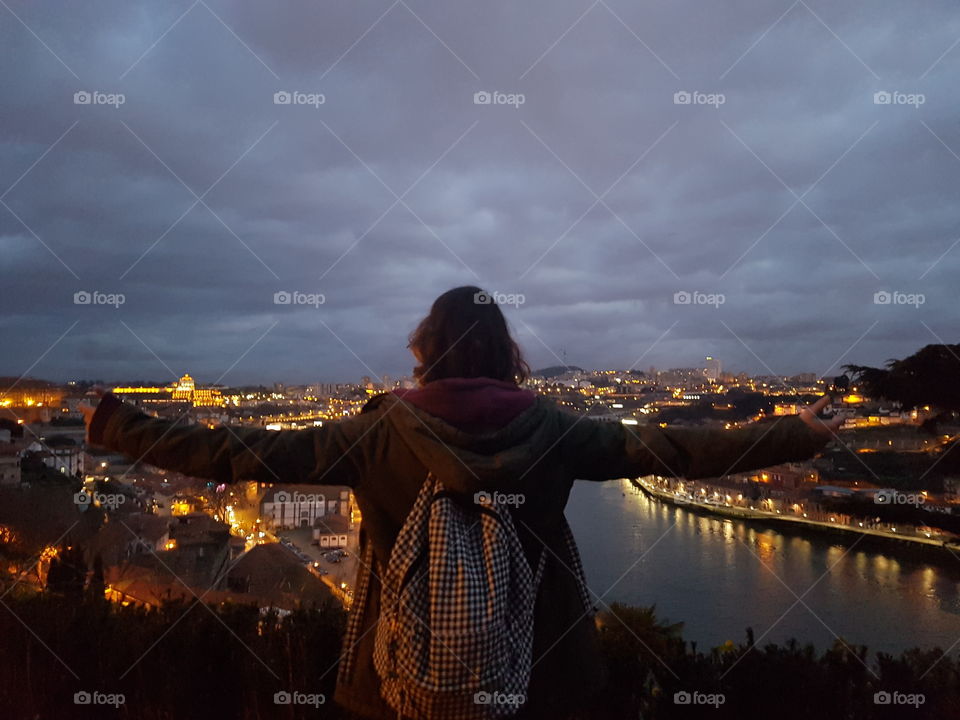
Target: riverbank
781	521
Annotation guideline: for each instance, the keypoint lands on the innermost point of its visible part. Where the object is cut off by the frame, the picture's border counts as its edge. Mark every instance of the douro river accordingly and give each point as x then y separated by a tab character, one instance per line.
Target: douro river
719	576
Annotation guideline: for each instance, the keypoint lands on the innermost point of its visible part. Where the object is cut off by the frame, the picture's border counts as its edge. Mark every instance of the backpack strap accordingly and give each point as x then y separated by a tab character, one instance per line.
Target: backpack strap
357	610
576	565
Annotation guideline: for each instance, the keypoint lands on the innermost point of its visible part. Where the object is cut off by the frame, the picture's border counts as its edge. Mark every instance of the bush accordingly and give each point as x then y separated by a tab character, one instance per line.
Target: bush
190	660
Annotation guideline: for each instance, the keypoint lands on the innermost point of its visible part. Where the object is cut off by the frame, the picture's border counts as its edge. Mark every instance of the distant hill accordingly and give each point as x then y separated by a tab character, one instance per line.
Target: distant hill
555	370
27	383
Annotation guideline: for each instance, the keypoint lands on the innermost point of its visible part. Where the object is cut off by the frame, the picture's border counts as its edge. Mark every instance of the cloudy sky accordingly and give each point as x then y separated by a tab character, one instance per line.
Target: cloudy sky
646	183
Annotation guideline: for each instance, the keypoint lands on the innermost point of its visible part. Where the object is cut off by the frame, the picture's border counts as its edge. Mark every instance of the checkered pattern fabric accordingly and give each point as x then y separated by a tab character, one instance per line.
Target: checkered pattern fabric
455	636
576	566
351	638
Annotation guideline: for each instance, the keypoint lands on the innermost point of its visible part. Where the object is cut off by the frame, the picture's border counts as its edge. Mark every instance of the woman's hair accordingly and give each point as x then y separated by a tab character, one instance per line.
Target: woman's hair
466	335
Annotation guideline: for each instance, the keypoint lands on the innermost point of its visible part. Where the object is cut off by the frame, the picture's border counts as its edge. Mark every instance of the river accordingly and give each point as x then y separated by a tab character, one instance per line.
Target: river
719	576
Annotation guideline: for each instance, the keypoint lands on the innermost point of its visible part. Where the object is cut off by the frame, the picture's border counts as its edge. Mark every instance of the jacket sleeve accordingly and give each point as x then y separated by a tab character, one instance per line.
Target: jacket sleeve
332	454
603	451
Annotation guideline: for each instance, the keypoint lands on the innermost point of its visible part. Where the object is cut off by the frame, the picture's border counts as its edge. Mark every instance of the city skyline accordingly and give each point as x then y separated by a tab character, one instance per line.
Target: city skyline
387	378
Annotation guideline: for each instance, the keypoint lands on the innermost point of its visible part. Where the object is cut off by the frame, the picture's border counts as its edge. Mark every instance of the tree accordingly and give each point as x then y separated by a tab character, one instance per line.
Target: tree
68	573
928	378
97	586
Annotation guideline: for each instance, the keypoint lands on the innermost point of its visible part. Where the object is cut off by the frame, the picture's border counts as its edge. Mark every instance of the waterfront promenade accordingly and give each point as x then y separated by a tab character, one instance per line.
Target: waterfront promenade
719	502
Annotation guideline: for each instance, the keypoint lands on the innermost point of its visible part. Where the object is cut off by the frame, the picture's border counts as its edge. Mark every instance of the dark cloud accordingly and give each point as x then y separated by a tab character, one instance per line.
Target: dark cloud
796	199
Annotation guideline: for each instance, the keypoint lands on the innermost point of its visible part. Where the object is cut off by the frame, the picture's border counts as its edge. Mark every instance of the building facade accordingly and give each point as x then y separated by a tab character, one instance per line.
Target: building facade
293	506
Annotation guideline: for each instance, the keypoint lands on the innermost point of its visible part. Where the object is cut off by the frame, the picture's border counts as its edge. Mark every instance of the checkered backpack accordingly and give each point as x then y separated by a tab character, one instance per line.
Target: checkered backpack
455	635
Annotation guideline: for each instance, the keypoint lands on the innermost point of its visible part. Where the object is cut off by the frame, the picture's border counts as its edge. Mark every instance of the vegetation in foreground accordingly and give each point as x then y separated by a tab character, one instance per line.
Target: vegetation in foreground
195	661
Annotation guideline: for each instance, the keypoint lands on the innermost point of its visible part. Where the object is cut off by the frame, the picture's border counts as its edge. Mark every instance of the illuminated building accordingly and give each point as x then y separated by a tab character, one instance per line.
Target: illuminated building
183	390
713	369
786	409
292	506
32	393
140	390
181	506
59	452
30	401
331	531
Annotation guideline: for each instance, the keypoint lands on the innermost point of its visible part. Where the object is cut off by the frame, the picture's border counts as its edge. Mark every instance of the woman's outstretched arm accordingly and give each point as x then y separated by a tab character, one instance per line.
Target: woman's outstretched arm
330	454
603	451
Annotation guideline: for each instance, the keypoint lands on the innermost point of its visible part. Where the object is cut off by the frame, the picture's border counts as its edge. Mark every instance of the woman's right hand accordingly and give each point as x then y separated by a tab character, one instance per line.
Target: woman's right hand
826	428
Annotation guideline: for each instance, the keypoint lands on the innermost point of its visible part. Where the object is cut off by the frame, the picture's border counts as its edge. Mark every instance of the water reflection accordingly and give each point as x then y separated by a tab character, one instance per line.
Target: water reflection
720	576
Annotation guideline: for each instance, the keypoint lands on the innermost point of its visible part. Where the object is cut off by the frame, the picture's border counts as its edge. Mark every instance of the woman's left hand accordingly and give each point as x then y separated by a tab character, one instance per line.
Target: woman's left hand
88	410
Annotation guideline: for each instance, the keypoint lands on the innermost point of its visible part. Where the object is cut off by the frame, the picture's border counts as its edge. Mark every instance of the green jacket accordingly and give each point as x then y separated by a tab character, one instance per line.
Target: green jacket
384	454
